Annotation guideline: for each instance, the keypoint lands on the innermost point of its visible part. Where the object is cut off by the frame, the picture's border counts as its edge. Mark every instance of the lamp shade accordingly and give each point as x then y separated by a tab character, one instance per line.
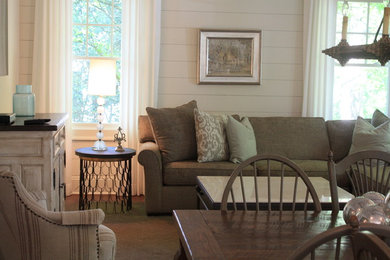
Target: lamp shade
102	77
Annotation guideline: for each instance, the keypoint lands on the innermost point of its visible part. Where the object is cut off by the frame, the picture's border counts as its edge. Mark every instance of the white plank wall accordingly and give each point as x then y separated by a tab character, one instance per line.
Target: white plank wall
26	40
281	22
280	93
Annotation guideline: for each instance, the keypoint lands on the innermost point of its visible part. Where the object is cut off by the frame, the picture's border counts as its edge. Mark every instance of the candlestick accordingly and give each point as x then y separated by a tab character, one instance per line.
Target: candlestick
386	21
345	26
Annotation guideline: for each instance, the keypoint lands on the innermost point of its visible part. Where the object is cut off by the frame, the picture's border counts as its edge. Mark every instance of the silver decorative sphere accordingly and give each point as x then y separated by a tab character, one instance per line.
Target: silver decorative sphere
376	197
386	206
373	214
354	206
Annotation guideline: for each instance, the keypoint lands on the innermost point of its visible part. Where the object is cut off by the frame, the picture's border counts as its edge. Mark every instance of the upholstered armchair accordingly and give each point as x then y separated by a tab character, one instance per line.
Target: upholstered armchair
29	231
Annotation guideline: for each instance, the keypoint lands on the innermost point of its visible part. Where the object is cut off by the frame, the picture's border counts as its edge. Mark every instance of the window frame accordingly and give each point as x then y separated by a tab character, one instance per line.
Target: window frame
87	130
335	64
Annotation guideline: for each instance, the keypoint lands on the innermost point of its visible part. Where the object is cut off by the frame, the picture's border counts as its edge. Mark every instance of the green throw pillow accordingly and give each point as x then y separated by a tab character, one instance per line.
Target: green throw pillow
378	118
241	139
367	137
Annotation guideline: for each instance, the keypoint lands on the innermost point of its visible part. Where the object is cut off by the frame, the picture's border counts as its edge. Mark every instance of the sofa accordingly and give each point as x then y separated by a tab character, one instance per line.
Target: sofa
305	140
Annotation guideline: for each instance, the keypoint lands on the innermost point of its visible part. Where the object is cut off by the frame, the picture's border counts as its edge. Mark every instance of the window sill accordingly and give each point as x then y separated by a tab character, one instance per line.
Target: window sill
87	131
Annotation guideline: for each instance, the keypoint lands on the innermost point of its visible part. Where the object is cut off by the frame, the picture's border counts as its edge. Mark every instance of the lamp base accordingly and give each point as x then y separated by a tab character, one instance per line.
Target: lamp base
99	146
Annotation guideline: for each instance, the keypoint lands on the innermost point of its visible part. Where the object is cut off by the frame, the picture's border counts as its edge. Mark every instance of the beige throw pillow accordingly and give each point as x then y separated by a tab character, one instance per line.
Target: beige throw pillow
367	137
174	131
241	139
211	137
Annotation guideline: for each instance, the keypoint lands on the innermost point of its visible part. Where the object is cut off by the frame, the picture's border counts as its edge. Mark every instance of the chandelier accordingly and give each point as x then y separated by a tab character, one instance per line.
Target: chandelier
378	50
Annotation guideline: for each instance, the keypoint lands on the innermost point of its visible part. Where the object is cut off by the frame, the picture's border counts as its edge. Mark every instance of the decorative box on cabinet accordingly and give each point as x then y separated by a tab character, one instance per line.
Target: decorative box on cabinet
36	153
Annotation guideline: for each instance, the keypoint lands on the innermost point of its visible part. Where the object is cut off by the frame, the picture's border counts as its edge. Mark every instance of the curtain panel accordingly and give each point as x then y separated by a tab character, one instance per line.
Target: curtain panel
52	63
140	70
318	34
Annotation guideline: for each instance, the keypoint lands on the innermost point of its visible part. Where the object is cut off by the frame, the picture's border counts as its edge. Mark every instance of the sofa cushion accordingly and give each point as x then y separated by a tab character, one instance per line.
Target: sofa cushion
185	172
367	137
301	138
241	138
211	137
145	132
313	168
174	131
340	137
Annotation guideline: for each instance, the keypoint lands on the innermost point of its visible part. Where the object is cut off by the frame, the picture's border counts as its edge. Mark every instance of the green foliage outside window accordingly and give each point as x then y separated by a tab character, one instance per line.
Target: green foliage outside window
96	33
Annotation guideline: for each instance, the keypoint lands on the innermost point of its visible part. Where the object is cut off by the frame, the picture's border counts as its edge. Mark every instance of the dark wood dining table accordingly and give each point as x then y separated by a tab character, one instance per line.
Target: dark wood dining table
214	234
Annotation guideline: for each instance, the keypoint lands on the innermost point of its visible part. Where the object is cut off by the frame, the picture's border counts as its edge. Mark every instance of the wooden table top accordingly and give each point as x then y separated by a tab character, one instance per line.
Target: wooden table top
210	234
214	186
110	153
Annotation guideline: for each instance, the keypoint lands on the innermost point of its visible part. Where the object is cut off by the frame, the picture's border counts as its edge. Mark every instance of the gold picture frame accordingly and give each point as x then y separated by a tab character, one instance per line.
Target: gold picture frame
229	57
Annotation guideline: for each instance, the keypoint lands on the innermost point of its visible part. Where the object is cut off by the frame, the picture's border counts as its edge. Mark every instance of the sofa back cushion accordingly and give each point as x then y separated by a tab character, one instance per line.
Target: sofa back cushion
340	137
145	132
174	131
302	138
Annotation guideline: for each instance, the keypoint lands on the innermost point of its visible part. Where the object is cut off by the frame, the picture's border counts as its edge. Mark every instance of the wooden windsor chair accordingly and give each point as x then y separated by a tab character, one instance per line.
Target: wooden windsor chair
359	172
365	239
276	191
369	246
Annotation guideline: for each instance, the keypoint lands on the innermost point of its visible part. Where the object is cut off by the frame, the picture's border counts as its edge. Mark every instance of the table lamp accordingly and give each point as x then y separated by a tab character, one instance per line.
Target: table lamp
101	82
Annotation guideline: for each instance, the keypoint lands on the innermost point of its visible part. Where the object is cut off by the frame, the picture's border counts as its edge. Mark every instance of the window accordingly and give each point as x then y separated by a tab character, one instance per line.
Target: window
360	86
96	32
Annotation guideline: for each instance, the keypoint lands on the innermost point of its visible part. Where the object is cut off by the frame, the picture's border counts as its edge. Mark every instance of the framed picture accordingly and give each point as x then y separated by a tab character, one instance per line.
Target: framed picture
229	57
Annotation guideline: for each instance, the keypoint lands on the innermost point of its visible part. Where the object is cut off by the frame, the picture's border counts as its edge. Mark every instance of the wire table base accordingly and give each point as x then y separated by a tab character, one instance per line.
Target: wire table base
105	178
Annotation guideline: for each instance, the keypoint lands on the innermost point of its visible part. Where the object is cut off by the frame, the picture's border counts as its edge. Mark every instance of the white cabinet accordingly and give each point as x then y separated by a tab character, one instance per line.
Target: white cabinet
36	154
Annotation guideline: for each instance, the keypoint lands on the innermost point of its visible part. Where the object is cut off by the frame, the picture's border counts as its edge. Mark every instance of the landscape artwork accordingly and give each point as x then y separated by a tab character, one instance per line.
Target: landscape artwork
230	57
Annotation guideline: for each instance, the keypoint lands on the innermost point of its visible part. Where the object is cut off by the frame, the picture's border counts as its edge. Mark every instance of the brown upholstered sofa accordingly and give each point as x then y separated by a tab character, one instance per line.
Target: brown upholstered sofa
305	140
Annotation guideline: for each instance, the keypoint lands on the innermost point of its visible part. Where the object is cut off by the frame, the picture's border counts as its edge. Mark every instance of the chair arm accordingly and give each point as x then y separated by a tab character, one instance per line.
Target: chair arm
82	217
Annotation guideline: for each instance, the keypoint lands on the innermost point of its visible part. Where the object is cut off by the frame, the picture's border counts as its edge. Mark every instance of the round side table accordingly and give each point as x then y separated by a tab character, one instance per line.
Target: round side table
104	173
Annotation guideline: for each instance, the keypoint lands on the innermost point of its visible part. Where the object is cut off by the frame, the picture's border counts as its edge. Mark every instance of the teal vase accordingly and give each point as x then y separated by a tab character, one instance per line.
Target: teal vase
24	101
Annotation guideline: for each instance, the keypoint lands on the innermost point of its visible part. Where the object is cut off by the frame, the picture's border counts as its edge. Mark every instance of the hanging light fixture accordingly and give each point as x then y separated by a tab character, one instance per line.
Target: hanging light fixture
378	50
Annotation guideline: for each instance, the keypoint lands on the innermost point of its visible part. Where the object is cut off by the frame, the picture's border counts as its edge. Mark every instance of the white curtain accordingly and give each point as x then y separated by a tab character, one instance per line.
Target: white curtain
51	75
318	34
140	68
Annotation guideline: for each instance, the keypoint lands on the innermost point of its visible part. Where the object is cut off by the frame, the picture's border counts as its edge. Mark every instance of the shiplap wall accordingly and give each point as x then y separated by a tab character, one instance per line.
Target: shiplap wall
26	39
280	93
281	23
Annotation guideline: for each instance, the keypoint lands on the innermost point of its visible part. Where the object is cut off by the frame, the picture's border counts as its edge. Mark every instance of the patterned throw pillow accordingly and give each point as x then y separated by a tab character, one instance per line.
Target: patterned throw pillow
378	118
211	137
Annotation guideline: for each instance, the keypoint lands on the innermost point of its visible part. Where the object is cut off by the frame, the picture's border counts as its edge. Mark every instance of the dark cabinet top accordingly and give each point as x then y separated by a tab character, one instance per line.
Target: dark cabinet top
57	120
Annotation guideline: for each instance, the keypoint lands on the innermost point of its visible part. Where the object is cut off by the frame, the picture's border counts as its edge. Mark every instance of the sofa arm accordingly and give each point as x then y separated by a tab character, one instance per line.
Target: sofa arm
150	158
150	154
